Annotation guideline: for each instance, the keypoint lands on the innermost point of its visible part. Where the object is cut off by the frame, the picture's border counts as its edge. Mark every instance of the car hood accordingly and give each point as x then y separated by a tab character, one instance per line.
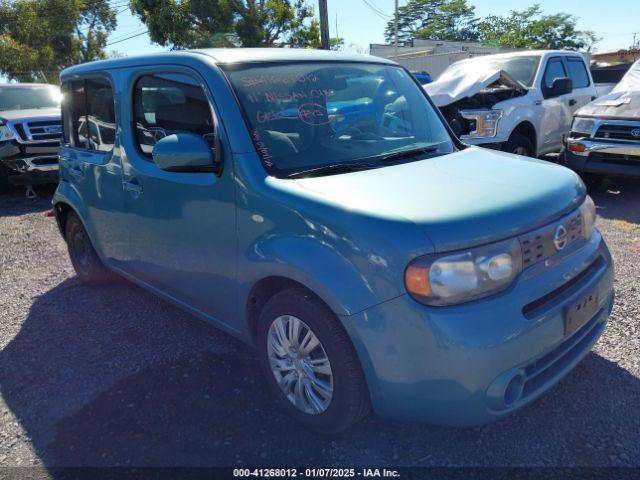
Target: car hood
29	113
468	198
624	105
446	91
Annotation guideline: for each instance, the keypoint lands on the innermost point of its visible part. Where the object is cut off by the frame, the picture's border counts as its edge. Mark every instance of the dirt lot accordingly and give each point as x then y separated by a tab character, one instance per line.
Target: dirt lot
115	376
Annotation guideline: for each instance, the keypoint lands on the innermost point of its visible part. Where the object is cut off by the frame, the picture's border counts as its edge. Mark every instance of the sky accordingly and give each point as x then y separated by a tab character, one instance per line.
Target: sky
360	24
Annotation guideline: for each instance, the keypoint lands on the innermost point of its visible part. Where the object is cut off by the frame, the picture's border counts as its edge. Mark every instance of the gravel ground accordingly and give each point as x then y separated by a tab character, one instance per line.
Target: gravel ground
115	376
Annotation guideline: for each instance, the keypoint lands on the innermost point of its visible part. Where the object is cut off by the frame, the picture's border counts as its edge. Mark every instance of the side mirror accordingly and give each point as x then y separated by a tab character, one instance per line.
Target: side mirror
560	86
184	152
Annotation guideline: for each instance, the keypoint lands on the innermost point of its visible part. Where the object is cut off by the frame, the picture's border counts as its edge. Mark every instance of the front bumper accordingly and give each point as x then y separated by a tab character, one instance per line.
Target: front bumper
457	365
605	158
31	164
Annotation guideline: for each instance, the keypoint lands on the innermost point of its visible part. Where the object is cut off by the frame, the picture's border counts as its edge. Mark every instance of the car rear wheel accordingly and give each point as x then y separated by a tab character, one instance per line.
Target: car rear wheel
519	145
85	260
310	363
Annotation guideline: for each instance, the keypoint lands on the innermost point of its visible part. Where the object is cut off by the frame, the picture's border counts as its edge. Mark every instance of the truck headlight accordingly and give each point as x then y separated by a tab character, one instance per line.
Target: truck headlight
588	215
464	276
583	126
484	123
5	132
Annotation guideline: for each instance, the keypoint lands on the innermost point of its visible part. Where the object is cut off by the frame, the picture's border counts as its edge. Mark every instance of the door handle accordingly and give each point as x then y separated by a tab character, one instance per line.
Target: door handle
132	186
572	102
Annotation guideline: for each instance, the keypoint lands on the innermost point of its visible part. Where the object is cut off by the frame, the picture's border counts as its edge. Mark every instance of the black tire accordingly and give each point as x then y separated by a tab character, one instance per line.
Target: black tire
5	186
592	181
350	400
520	145
85	260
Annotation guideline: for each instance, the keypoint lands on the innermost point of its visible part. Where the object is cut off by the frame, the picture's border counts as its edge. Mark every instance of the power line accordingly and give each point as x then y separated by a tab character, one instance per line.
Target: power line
128	38
376	10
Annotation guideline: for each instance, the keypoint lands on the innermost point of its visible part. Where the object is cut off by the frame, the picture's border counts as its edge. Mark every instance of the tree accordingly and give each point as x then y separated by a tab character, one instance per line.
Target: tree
530	28
246	23
38	38
434	19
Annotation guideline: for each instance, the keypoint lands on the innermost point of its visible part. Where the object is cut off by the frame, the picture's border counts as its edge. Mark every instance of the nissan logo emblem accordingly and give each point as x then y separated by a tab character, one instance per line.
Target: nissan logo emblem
560	237
635	132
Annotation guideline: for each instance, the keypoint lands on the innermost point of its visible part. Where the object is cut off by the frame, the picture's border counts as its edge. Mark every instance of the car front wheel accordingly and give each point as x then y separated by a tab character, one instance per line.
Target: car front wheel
310	363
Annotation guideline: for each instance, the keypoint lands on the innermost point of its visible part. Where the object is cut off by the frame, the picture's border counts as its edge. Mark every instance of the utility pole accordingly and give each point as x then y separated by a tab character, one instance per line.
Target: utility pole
324	24
395	41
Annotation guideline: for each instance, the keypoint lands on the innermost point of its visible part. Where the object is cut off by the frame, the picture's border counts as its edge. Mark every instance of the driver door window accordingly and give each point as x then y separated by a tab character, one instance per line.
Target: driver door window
555	69
169	103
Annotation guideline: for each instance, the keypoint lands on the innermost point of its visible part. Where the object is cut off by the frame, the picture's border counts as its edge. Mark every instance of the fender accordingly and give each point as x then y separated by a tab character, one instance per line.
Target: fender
516	111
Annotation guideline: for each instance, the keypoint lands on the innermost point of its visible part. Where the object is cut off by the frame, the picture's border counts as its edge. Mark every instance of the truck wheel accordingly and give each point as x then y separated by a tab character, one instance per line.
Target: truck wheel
85	260
519	145
310	363
592	181
4	179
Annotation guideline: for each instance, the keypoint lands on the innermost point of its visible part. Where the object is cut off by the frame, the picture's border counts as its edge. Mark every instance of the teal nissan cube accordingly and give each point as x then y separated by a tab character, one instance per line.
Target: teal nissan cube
316	205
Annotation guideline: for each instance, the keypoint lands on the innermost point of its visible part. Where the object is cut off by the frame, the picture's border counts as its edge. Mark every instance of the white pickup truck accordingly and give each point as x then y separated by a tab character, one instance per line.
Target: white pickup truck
520	102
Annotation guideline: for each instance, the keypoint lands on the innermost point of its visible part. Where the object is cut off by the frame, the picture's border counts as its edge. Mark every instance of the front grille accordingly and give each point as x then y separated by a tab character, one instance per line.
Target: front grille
611	131
539	245
45	130
39	131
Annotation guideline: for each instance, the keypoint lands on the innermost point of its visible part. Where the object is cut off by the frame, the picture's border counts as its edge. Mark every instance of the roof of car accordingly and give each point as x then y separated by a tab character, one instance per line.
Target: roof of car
525	53
227	56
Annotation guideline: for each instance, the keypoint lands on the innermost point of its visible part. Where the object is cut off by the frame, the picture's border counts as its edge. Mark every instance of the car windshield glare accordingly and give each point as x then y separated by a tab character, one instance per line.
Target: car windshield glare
18	98
304	116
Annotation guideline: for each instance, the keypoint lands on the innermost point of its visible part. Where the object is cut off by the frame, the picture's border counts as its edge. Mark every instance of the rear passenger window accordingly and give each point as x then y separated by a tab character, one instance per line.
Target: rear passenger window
165	104
554	70
88	114
578	73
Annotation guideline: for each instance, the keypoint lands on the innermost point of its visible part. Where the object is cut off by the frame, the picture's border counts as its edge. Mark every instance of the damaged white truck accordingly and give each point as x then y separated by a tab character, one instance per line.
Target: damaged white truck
520	102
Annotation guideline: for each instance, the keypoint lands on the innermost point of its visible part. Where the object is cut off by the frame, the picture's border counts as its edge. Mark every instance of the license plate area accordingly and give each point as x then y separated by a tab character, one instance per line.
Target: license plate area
580	313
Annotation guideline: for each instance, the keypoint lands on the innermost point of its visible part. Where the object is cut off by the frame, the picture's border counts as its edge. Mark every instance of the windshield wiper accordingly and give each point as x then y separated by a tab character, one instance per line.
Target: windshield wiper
409	153
332	168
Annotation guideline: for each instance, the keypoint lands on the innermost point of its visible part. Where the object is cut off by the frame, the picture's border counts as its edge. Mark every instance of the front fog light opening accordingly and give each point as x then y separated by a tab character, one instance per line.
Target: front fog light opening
514	389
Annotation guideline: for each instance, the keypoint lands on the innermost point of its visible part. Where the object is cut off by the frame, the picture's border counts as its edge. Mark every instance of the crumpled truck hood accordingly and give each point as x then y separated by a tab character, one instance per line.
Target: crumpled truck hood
621	105
446	91
30	113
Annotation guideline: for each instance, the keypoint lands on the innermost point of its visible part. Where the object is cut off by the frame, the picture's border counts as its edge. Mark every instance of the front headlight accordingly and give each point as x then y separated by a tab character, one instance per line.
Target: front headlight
583	126
588	215
484	123
464	276
5	132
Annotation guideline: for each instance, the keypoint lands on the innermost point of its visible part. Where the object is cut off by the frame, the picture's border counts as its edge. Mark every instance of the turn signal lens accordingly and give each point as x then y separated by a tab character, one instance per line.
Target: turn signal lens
416	278
576	147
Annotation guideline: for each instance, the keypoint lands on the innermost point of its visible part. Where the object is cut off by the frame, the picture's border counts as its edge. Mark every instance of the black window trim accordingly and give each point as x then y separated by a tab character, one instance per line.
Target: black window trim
177	69
84	79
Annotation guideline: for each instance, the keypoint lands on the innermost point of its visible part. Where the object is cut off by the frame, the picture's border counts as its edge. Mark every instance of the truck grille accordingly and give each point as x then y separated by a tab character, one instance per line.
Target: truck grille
626	132
539	245
39	131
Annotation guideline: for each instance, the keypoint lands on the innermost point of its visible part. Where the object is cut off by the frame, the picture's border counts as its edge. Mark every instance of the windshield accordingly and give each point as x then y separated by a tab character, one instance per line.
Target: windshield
310	115
520	68
22	98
